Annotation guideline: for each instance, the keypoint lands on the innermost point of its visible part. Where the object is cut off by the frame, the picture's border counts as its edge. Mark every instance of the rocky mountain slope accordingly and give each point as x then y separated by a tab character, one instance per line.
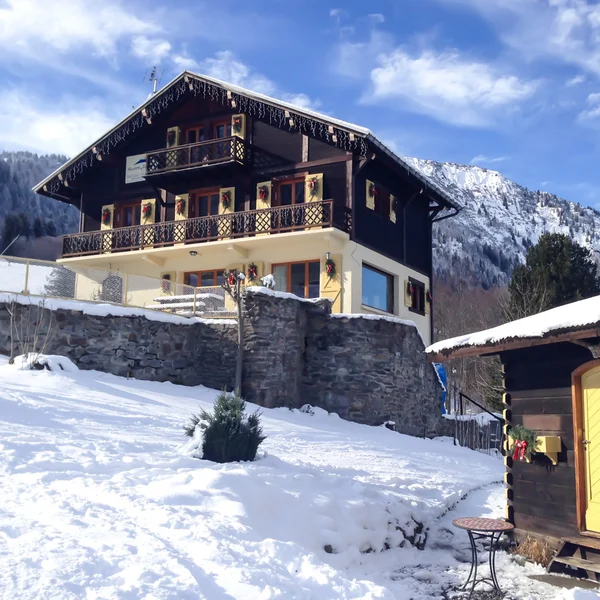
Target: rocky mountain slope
499	221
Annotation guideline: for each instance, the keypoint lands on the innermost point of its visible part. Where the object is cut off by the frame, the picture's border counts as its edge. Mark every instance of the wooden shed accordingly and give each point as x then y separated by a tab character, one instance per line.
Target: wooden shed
551	374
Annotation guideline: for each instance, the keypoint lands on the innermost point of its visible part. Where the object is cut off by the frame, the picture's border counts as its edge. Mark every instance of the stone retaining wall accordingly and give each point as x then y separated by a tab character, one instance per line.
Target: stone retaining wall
367	370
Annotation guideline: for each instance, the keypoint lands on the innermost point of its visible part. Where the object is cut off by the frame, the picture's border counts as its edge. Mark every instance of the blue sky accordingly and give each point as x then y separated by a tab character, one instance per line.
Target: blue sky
512	85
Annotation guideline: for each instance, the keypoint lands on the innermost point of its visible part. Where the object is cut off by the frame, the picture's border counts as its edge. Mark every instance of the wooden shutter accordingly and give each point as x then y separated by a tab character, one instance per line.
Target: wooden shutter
147	219
173	136
168	289
264	202
313	192
427	303
179	228
369	195
225	225
392	208
407	295
110	223
260	272
332	285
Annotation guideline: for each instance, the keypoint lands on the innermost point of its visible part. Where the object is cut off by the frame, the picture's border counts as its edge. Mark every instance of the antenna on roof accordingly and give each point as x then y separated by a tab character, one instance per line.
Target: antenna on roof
153	78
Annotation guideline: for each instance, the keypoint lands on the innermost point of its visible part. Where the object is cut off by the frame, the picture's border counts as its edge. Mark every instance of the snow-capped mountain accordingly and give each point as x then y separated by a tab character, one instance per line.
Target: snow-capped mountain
499	221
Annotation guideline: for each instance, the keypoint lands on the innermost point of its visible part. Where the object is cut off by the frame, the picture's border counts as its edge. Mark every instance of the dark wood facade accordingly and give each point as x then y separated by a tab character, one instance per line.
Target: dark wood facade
295	146
542	498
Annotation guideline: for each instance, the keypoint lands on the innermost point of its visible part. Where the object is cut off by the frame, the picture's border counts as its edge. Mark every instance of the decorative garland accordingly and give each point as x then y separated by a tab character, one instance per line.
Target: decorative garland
186	86
263	192
226	199
237	124
252	273
147	209
180	206
330	267
106	216
313	186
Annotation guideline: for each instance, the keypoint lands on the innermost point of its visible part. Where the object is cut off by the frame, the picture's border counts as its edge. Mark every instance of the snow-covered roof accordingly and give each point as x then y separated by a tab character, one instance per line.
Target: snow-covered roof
352	128
582	316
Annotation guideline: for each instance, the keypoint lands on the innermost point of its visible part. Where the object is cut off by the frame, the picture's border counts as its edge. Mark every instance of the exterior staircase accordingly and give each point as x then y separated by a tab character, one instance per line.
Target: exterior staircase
578	557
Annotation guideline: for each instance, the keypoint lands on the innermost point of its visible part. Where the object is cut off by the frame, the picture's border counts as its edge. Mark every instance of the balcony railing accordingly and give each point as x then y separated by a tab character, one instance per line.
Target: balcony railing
211	152
250	223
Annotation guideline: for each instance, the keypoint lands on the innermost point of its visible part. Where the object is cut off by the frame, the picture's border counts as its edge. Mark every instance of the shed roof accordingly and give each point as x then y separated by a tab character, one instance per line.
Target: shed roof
156	102
574	321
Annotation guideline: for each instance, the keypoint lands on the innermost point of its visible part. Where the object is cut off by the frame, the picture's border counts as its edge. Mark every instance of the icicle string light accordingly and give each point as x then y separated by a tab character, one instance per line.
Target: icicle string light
282	118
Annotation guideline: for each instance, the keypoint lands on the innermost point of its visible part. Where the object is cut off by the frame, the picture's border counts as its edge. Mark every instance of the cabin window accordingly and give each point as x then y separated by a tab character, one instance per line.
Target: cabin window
204	203
289	191
128	215
377	289
300	278
212	278
417	296
382	202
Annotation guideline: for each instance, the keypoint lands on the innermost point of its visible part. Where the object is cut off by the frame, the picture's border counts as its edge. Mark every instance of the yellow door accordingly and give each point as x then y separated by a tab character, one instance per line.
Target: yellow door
590	386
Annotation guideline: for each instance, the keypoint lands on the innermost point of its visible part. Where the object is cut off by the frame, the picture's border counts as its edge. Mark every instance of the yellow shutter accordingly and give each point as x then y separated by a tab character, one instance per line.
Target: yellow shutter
392	208
260	272
229	303
427	303
150	217
179	228
107	237
266	201
109	223
173	135
239	121
313	192
225	225
369	195
332	285
407	296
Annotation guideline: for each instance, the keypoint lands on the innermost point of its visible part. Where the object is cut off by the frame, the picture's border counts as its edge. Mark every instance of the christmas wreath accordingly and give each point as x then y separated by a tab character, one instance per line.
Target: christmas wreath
263	192
165	285
525	442
410	289
373	191
237	124
429	297
171	137
106	216
313	186
180	206
252	272
330	267
147	209
226	199
231	278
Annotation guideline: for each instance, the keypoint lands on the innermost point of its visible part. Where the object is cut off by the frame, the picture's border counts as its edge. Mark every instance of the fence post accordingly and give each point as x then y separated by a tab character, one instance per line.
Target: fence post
26	289
194	307
125	286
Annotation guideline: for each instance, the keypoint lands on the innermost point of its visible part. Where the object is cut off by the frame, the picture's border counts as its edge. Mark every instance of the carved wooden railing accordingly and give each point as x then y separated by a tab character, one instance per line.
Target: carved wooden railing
200	154
281	219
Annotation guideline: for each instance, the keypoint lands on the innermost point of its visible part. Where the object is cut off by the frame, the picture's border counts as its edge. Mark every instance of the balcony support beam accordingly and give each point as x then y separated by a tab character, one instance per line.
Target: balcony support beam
155	260
243	252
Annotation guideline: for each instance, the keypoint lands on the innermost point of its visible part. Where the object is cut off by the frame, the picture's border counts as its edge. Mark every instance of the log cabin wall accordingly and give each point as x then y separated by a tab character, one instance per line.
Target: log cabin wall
542	497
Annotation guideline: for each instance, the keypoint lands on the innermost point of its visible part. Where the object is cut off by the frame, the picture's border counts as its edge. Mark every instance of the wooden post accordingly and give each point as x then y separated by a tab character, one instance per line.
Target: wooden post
26	289
125	287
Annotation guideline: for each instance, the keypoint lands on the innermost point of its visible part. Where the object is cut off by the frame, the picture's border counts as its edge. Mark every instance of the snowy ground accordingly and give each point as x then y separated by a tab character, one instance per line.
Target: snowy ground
99	500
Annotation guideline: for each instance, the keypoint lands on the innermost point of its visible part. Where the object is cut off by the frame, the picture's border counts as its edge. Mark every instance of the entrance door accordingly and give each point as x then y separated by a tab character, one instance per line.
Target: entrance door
590	392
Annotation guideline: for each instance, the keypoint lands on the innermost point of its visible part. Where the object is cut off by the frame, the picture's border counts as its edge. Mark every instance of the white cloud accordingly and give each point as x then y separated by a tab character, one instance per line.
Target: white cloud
577	80
377	18
227	67
354	59
481	159
65	126
447	86
35	27
592	112
150	49
565	30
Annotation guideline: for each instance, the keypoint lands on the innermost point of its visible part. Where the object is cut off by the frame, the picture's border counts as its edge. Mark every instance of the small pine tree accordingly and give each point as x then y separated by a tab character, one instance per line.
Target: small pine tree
229	435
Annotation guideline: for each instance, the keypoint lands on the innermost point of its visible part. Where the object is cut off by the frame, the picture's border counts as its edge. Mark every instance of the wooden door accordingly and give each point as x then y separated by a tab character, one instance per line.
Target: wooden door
590	391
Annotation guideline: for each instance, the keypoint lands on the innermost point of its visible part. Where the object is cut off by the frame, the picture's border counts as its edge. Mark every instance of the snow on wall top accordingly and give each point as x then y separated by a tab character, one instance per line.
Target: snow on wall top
104	310
583	313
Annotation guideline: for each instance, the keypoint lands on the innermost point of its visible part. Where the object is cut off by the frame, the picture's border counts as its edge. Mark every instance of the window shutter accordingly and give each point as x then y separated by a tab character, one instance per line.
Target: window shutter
313	187
167	284
222	195
370	195
332	285
264	202
260	272
407	295
184	199
392	208
238	125
173	135
109	223
427	303
229	303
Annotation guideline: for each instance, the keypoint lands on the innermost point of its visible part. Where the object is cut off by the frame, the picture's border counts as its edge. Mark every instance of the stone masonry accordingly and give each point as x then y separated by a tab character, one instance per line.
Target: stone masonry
368	370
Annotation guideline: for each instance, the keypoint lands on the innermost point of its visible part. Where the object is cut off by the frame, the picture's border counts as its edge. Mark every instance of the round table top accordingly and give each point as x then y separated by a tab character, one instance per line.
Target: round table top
482	525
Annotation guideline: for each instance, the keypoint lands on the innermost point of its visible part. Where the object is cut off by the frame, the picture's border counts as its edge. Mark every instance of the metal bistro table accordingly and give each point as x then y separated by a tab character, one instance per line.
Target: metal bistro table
478	529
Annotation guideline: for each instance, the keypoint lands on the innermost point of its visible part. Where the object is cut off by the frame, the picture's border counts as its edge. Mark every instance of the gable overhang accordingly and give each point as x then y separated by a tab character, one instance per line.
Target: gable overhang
350	137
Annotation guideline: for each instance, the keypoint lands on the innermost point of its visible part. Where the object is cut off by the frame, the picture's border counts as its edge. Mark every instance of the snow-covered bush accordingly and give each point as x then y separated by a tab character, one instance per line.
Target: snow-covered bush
228	434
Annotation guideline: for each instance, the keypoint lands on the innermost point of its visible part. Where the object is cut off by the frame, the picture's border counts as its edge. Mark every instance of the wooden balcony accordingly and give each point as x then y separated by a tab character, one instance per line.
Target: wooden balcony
281	219
201	154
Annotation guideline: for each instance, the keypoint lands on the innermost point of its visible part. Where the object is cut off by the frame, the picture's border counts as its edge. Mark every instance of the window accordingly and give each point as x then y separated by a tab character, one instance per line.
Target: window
377	289
204	203
382	202
211	278
128	215
289	191
300	278
416	289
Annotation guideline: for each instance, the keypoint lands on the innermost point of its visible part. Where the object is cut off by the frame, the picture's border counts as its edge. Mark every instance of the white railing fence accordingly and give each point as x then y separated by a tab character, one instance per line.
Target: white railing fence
50	279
